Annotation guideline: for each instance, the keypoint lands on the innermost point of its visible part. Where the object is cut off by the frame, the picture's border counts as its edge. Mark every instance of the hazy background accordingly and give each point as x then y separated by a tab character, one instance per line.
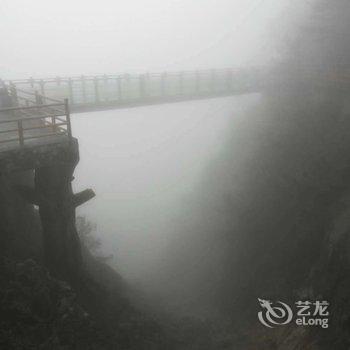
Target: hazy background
144	163
49	38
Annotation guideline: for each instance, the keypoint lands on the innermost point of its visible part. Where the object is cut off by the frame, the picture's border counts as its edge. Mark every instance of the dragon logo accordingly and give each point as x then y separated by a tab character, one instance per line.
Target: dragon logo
274	315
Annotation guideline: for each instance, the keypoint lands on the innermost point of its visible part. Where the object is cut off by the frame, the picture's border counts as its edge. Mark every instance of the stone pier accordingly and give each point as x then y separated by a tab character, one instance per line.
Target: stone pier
53	160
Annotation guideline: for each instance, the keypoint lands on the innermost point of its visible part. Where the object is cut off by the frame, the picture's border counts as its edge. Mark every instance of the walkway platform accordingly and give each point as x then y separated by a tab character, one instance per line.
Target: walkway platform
34	134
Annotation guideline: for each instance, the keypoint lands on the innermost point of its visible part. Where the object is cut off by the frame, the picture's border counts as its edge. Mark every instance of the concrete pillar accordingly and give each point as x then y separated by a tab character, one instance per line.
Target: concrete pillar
18	221
53	195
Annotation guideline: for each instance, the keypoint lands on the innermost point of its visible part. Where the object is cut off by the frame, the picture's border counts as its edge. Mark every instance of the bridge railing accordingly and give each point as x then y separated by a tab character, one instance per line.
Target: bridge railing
33	117
85	90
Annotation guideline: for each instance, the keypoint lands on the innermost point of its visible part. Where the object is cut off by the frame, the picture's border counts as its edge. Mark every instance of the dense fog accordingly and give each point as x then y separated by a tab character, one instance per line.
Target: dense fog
50	38
217	194
143	163
174	182
146	164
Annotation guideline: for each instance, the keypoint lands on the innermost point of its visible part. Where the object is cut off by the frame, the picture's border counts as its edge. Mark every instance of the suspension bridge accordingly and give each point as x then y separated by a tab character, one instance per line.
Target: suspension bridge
86	93
35	113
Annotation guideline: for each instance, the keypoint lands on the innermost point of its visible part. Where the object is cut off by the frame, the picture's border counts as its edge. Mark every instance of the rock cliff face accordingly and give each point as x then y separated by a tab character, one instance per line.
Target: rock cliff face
275	202
298	245
38	312
292	235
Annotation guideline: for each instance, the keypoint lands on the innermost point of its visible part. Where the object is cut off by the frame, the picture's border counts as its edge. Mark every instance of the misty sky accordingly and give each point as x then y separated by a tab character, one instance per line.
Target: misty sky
145	163
48	38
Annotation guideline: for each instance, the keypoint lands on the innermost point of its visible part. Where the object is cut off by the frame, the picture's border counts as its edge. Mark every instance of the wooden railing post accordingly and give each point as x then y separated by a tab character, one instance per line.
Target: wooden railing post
53	122
38	101
42	87
20	133
14	95
38	98
67	111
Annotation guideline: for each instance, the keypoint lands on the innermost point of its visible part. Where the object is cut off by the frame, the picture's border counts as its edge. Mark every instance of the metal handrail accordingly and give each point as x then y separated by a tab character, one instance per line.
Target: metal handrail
97	89
121	75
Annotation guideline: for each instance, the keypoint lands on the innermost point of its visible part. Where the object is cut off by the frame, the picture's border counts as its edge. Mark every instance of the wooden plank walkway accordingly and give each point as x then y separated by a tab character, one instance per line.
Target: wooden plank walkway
32	132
